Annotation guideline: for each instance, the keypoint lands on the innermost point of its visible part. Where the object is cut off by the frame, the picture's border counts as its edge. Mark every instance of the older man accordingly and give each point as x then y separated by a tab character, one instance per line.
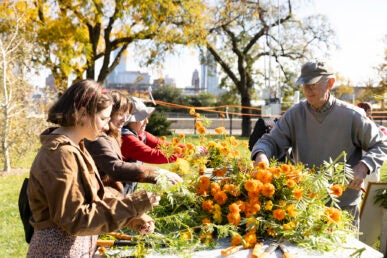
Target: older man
320	128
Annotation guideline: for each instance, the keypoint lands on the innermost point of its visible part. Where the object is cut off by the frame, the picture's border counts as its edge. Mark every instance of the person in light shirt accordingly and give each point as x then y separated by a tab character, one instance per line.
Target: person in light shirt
321	127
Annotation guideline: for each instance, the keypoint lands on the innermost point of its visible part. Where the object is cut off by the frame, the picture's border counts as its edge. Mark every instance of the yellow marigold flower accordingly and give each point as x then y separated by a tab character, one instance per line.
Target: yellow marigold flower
290	183
291	211
286	226
333	214
279	214
192	111
269	205
337	190
268	190
270	232
175	140
236	240
298	194
220	130
250	239
186	235
235	153
206	238
211	144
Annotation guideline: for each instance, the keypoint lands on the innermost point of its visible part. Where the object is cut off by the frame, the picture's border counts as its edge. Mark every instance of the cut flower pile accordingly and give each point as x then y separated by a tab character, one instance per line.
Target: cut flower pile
225	195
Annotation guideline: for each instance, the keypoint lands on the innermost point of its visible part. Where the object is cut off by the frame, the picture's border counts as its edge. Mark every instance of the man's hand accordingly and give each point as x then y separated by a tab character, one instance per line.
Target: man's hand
261	157
360	171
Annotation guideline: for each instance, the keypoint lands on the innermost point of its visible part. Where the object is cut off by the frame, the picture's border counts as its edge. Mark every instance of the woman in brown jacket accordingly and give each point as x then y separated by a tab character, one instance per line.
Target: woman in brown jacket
70	206
106	153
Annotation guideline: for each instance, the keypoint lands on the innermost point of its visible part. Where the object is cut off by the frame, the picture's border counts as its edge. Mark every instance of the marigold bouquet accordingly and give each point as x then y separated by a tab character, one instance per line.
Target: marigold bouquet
225	195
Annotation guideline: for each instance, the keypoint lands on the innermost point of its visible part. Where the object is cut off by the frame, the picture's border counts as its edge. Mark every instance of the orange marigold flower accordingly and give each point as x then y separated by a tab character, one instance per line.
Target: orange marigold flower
215	187
196	115
204	182
297	193
234	208
198	124
228	188
234	218
177	150
262	165
337	190
276	172
279	214
268	190
253	195
190	146
290	183
245	144
220	130
236	240
207	205
220	197
333	214
163	138
251	185
264	176
219	172
206	221
285	168
202	130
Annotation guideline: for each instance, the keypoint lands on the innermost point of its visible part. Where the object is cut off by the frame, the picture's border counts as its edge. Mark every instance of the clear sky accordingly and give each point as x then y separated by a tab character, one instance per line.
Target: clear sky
360	26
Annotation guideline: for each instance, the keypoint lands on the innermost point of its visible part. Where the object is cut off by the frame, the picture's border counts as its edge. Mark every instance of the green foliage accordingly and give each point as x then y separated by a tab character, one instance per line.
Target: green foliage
158	124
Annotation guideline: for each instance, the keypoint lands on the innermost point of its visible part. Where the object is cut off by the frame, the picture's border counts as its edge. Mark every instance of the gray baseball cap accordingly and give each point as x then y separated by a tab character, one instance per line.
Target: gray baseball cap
311	72
140	111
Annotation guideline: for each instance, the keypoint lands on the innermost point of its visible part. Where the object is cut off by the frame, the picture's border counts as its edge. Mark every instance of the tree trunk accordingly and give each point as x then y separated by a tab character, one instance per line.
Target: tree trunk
246	119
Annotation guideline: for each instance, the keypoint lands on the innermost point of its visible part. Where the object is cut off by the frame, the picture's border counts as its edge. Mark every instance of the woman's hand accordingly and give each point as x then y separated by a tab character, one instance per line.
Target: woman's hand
172	177
143	224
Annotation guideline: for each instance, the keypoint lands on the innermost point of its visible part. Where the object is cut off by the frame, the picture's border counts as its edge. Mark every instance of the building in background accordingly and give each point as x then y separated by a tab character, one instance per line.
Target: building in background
209	75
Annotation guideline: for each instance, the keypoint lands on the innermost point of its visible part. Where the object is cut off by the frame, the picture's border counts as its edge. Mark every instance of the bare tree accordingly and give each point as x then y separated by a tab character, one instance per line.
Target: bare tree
13	48
245	32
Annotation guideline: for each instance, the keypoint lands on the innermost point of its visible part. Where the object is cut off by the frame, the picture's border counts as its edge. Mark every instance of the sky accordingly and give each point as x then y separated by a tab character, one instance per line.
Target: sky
360	28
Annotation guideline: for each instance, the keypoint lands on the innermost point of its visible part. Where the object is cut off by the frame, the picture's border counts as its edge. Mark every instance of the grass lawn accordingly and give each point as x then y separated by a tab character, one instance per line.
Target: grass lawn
12	241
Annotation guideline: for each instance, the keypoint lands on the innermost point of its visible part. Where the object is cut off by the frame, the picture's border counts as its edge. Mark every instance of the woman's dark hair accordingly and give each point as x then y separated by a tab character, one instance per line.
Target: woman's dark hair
121	105
86	94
